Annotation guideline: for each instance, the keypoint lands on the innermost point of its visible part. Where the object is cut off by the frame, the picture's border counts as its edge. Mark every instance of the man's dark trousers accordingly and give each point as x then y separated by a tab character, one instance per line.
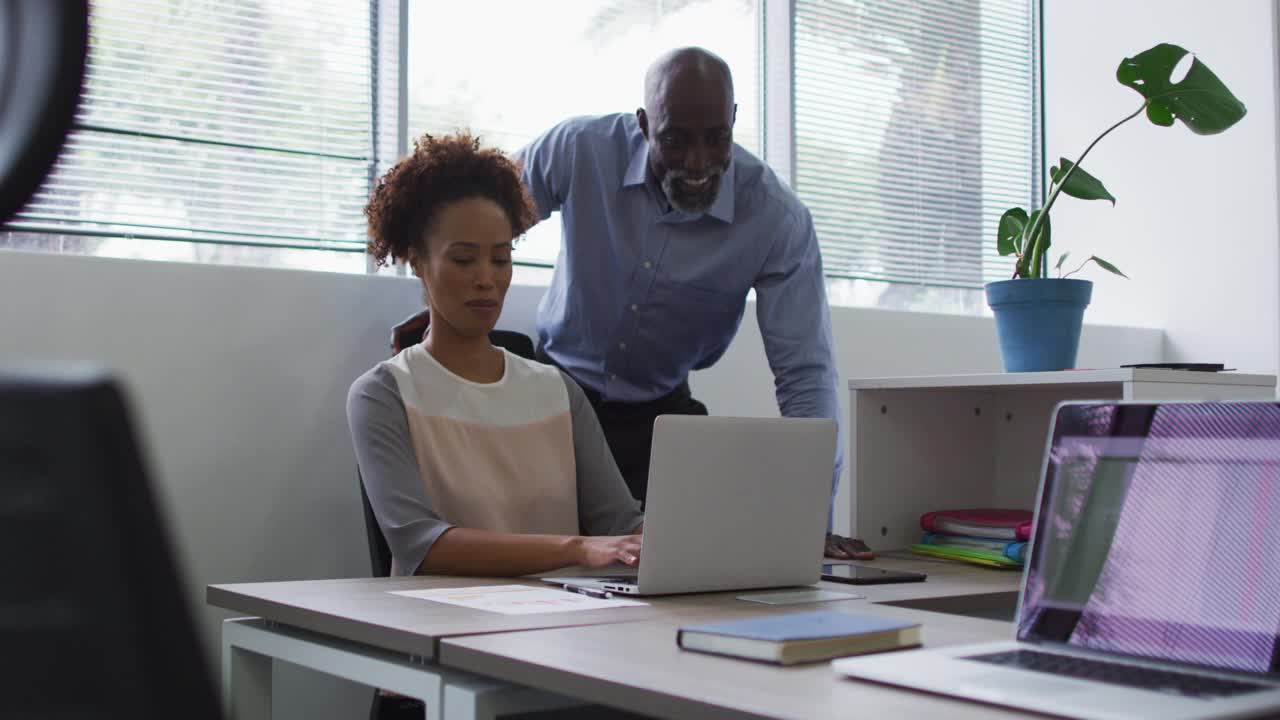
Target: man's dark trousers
628	428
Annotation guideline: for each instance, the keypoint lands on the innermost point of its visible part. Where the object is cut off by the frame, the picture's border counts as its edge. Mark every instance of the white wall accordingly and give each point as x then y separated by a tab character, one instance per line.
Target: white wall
1195	225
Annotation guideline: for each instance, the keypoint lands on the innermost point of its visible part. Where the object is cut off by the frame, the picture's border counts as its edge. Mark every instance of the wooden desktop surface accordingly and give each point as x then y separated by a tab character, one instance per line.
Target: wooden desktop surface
638	666
628	656
363	610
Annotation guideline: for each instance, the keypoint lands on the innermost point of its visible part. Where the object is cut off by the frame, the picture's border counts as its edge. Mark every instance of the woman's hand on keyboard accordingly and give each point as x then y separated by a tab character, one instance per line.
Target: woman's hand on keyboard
607	550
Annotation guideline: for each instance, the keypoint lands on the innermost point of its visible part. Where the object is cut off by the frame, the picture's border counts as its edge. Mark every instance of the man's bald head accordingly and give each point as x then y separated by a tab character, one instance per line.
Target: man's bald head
689	63
687	119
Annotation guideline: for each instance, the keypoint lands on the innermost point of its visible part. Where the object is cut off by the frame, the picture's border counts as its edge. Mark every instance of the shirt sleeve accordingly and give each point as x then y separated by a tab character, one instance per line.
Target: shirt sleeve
795	322
605	505
389	469
546	164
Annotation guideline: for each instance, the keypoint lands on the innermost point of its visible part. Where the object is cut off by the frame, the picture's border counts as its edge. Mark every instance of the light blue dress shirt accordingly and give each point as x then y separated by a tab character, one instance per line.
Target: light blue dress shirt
642	294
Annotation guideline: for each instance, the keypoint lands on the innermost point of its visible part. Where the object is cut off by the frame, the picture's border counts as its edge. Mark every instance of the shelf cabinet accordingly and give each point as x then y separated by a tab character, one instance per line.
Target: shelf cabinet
952	441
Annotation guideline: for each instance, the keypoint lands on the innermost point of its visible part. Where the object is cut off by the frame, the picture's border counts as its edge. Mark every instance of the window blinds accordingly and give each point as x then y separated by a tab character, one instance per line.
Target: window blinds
916	126
249	123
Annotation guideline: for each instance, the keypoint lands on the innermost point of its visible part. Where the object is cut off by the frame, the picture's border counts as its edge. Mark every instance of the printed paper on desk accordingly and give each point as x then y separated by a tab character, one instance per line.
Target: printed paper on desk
516	599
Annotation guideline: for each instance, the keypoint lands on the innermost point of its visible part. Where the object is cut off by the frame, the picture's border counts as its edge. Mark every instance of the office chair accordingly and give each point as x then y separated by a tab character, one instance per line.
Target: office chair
379	551
517	343
386	707
95	623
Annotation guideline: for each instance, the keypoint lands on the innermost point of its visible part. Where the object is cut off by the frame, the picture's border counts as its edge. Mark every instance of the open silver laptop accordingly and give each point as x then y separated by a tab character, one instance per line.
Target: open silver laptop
733	503
1153	584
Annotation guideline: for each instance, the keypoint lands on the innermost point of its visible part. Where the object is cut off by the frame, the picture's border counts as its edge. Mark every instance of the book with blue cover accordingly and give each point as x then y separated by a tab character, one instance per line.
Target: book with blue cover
800	637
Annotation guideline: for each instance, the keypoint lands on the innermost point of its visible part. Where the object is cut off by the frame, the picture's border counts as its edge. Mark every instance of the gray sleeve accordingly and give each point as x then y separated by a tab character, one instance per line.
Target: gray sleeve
605	505
389	469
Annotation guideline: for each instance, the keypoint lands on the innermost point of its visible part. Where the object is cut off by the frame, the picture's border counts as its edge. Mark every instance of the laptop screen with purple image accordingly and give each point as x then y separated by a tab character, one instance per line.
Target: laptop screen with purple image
1158	534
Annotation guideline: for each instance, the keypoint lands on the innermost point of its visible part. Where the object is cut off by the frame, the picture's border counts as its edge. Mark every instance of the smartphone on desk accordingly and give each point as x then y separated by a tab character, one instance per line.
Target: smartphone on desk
864	575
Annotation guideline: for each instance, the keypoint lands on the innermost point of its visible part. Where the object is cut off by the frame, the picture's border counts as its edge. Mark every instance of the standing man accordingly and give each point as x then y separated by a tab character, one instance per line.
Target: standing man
667	224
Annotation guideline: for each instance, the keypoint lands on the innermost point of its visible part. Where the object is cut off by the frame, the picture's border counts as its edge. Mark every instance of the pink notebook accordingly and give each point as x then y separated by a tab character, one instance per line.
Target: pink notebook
980	522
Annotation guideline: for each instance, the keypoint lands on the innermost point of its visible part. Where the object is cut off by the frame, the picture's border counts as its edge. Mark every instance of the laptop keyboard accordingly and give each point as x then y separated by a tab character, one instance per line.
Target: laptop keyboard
1133	676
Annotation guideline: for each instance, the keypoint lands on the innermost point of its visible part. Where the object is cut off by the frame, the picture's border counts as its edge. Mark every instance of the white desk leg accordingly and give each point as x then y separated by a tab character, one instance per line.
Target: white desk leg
249	645
246	681
479	698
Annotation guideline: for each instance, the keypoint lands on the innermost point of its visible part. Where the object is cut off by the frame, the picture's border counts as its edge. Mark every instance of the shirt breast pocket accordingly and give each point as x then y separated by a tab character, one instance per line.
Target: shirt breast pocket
699	317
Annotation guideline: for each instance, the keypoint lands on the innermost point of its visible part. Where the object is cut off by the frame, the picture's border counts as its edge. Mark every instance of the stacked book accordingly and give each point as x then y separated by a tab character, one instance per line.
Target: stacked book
995	537
800	637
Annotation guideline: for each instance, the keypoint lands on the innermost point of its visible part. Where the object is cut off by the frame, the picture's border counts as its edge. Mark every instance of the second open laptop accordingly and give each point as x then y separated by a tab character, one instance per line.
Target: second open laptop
1152	589
733	504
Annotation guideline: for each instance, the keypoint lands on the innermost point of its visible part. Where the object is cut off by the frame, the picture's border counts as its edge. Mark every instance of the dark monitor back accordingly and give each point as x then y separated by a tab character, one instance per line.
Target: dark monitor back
93	622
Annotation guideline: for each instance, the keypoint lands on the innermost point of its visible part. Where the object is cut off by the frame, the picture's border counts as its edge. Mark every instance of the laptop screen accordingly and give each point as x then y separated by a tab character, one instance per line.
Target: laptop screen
1158	534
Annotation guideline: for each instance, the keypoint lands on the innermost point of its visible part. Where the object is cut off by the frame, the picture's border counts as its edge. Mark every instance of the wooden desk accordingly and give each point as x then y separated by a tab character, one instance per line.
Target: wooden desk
637	666
463	662
362	610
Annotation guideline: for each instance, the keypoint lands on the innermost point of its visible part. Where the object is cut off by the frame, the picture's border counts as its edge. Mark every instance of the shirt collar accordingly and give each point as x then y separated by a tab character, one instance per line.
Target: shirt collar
722	209
638	167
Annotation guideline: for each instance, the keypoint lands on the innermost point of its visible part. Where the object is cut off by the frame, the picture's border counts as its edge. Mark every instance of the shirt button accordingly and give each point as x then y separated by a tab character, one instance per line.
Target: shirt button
647	264
622	346
635	308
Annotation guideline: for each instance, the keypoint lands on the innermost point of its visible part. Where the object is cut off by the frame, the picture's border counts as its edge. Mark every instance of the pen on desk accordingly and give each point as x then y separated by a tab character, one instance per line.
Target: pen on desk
590	592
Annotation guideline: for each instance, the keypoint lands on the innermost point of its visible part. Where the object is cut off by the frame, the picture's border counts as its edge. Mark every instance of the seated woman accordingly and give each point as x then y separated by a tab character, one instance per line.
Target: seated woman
477	461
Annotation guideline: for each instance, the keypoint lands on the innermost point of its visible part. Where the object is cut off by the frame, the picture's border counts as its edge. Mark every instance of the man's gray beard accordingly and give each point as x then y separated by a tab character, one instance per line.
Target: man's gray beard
687	203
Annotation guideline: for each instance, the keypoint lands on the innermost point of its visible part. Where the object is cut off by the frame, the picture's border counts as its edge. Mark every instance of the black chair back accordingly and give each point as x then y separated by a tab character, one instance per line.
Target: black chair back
379	551
93	619
517	343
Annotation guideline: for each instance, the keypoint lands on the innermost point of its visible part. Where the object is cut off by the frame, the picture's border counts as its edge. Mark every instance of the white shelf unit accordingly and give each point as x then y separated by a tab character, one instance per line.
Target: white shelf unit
918	444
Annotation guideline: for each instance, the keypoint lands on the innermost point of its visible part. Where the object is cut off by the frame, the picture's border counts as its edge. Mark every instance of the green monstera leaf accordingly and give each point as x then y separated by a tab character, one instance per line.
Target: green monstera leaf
1009	233
1199	100
1080	184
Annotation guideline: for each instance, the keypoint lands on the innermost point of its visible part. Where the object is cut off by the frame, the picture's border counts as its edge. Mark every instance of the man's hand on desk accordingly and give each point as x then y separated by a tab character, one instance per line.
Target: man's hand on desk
847	548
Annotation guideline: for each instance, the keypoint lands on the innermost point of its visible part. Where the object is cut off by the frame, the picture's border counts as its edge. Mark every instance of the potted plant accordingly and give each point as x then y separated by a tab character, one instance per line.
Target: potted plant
1038	318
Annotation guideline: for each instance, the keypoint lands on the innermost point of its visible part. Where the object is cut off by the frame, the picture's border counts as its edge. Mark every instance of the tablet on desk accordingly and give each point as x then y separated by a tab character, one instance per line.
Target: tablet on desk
864	575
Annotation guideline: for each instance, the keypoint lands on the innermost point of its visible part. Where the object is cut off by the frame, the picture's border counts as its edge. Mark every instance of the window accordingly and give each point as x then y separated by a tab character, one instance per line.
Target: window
224	132
916	127
251	130
530	65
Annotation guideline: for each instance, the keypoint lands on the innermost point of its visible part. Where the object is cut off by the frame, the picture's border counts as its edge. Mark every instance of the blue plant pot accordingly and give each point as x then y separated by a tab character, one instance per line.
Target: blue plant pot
1039	321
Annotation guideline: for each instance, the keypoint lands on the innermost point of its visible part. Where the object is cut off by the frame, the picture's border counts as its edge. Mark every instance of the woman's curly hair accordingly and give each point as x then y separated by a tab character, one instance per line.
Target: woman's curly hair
440	171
